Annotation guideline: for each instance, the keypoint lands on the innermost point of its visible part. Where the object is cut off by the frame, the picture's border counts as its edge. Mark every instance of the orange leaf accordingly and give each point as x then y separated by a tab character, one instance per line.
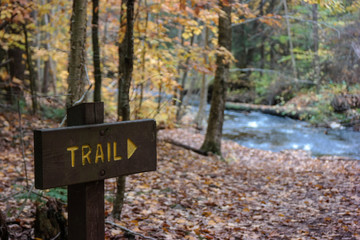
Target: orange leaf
183	5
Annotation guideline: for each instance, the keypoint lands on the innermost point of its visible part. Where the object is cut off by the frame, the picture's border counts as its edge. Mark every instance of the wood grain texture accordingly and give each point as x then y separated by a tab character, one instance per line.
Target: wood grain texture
82	155
53	162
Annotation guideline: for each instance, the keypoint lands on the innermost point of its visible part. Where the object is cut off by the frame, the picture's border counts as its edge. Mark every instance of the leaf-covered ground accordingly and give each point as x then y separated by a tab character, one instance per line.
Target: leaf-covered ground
253	194
257	195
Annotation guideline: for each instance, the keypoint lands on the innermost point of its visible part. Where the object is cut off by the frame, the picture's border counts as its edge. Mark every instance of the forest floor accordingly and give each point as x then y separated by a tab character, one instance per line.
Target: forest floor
249	194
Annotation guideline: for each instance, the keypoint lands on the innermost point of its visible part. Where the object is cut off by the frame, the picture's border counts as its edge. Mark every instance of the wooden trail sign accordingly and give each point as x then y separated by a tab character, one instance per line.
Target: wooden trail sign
84	154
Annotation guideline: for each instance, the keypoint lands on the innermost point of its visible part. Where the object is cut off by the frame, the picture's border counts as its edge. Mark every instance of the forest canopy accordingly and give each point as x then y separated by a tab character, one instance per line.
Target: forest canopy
280	50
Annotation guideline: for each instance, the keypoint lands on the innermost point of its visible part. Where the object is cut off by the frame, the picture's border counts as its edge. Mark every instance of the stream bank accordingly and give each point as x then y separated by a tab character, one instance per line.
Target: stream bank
282	111
274	133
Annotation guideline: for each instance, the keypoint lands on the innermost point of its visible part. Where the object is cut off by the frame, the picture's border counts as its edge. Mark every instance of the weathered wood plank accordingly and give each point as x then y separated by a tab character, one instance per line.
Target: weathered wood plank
80	154
89	113
86	200
83	156
86	211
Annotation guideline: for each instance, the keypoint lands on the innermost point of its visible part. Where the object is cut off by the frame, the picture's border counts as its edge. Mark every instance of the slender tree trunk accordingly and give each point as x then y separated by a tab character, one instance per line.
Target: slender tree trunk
47	71
159	61
179	111
203	90
46	77
263	37
4	230
272	55
212	142
31	71
104	42
140	93
178	69
288	27
202	104
160	89
189	94
126	52
52	65
17	70
96	50
38	38
53	74
316	45
143	59
77	58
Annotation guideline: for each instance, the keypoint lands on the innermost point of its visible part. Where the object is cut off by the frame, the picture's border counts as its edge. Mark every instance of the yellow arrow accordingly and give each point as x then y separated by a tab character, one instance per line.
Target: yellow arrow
131	148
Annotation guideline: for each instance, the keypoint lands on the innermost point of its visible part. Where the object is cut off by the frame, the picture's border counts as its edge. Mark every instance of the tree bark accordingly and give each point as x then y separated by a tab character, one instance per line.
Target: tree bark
316	45
46	77
176	94
179	111
143	58
203	90
52	66
293	63
17	70
96	50
77	58
126	52
213	135
4	231
50	222
263	39
31	71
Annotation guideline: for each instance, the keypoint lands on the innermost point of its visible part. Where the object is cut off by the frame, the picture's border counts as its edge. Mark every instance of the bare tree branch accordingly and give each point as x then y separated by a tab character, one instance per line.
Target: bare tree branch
6	62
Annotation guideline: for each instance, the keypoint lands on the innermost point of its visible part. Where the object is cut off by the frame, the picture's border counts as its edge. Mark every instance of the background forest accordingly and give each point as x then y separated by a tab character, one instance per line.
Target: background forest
293	58
280	49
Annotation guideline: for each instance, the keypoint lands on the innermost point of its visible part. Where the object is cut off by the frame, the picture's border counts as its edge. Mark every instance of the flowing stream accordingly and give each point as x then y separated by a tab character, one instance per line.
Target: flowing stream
263	131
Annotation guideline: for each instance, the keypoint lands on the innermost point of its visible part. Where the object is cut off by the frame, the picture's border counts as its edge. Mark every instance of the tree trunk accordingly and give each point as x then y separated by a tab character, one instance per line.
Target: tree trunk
143	59
263	39
4	233
46	77
213	135
176	94
179	111
191	90
290	40
316	45
203	90
50	222
96	50
126	52
31	71
40	70
17	70
52	66
160	88
77	59
203	96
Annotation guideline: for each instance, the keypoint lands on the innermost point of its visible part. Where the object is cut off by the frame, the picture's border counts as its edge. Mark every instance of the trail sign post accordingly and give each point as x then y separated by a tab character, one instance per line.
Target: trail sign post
82	155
